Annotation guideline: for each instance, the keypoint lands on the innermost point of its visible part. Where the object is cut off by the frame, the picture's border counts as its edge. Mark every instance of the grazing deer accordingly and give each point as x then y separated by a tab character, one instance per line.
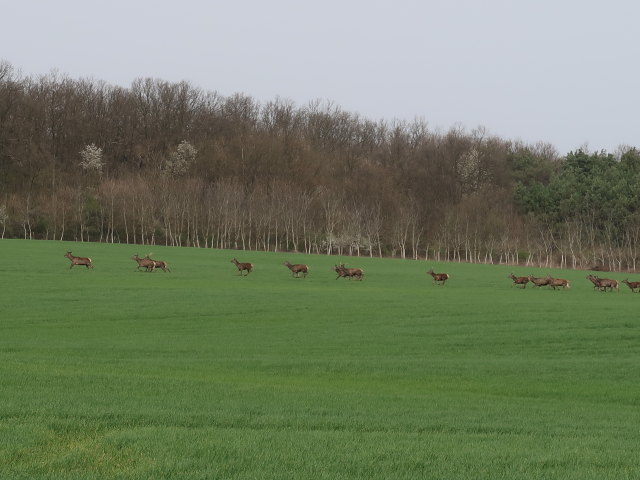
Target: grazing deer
78	260
438	278
518	280
297	269
146	263
158	264
539	281
558	282
631	285
242	266
343	271
609	283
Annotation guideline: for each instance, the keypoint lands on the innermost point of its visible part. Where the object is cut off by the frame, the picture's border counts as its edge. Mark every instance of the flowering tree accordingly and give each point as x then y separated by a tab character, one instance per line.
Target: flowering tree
179	161
91	158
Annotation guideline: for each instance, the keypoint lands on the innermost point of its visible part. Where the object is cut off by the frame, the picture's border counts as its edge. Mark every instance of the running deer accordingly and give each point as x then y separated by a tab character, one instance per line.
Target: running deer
438	278
558	282
242	266
343	271
158	264
78	260
340	271
518	280
539	281
609	283
595	281
631	285
297	269
146	263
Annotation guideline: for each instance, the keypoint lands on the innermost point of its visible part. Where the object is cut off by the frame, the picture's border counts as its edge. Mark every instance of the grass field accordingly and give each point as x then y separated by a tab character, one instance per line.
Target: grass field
203	374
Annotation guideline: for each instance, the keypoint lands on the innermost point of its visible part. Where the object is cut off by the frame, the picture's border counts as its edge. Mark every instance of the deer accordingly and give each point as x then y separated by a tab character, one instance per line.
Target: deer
539	281
558	282
609	283
158	264
146	263
343	271
242	266
340	271
595	281
297	269
518	280
631	285
438	278
78	260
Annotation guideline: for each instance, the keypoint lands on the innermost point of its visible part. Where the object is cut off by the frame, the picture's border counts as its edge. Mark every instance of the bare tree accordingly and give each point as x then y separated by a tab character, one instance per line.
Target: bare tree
4	216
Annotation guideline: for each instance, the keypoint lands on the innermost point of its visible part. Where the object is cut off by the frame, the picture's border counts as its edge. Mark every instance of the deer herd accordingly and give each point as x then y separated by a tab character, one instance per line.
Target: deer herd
601	284
150	265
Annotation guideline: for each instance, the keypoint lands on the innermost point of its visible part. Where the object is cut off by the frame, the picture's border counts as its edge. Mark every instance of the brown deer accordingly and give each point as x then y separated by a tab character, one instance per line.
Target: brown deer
297	269
350	273
158	264
438	278
146	263
609	283
539	281
595	281
340	271
558	282
78	260
631	285
518	280
242	266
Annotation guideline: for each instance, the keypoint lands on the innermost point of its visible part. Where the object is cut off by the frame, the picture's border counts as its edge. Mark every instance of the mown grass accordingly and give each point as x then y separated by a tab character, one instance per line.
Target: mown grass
201	374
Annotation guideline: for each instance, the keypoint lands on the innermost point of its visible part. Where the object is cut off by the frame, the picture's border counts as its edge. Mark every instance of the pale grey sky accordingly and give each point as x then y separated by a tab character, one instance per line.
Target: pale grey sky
559	71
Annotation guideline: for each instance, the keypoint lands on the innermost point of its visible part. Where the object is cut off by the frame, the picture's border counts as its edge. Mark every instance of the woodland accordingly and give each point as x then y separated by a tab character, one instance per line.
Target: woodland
172	164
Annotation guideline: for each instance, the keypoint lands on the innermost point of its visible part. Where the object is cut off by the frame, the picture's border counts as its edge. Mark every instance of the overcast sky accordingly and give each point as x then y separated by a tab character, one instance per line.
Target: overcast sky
564	72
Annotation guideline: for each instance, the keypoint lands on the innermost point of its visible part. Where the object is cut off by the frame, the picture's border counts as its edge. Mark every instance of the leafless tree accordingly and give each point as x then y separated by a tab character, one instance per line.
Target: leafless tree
4	216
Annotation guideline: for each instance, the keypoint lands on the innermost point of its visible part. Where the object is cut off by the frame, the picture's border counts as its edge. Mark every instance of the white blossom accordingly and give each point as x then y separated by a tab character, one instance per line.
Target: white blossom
91	158
179	161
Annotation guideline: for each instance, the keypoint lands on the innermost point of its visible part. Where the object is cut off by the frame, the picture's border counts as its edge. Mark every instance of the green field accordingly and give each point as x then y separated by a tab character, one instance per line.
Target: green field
203	374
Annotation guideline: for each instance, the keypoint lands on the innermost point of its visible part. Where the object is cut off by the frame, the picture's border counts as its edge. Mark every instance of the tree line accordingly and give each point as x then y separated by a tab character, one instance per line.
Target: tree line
172	164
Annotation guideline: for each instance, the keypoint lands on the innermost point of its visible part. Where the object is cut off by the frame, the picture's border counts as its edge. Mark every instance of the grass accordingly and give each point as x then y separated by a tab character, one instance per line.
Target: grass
201	373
